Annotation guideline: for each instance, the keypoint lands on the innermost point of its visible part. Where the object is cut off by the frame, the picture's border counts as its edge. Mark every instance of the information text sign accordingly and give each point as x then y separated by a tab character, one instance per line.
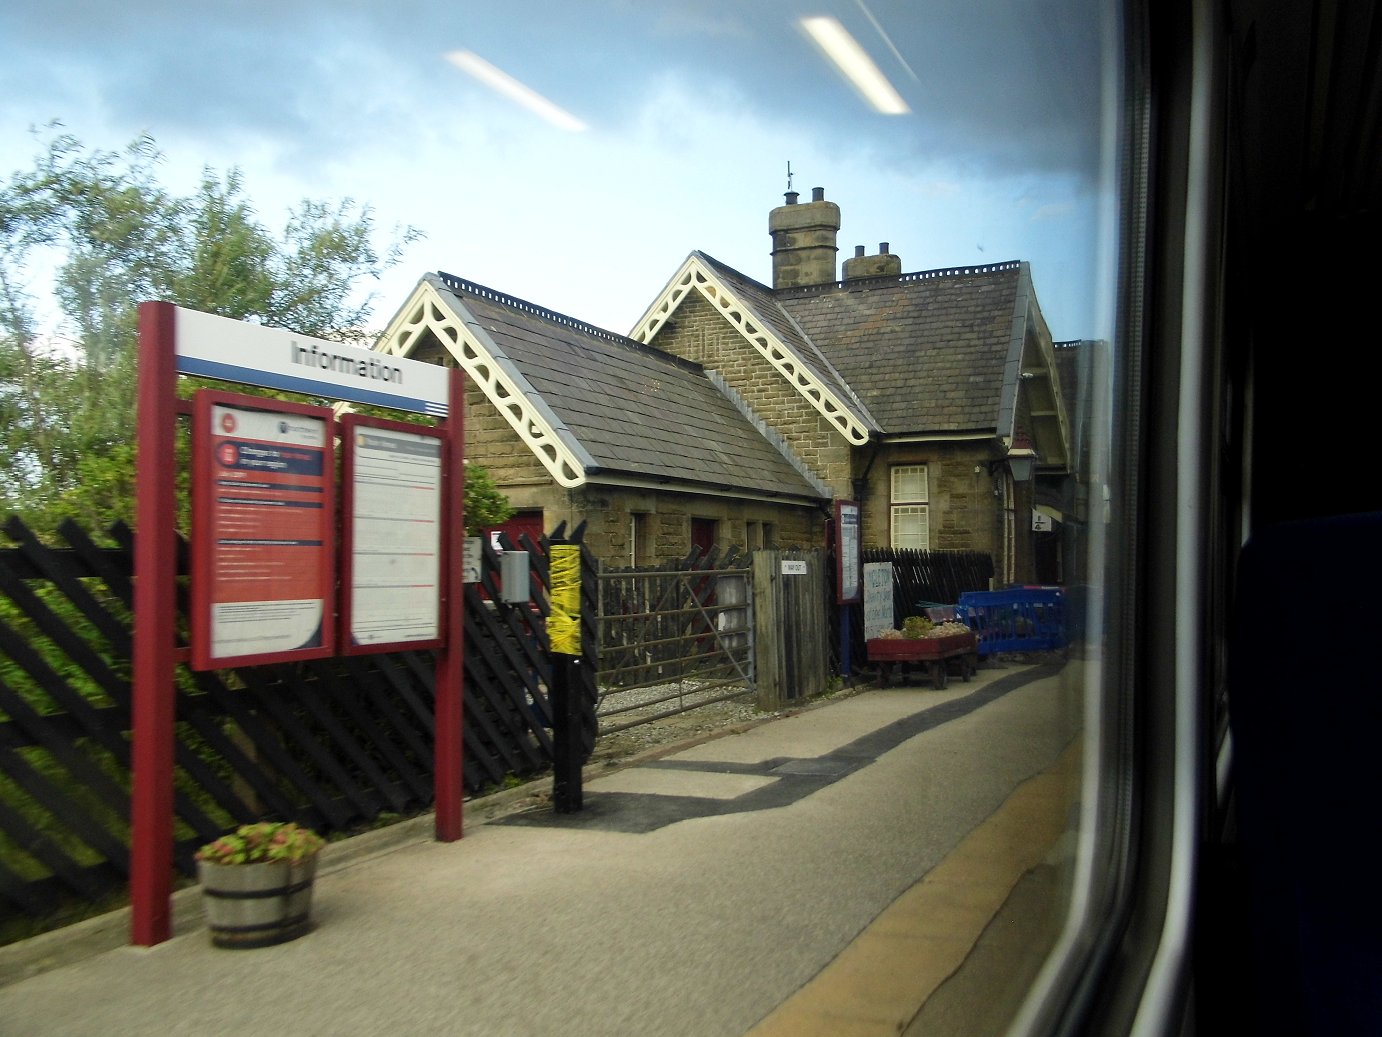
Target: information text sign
263	582
393	535
878	598
231	350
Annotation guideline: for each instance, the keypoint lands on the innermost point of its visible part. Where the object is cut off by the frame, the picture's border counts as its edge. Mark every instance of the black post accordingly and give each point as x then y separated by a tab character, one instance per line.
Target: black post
566	736
564	635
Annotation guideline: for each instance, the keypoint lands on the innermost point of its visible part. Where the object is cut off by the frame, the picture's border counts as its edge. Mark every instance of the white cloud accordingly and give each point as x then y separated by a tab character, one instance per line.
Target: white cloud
687	148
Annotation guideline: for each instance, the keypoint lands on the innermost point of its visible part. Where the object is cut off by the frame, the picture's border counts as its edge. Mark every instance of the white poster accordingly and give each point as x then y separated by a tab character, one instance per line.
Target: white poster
878	598
396	537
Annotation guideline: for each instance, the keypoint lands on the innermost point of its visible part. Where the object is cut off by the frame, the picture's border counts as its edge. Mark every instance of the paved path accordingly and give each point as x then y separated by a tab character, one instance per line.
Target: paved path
706	893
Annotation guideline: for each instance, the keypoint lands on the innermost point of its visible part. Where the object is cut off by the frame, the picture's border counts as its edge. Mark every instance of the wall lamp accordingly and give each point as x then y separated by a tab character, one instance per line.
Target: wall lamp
1022	465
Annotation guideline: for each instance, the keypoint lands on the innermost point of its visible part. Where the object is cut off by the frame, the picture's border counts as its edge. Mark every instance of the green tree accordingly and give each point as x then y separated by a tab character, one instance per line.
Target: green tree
114	236
485	504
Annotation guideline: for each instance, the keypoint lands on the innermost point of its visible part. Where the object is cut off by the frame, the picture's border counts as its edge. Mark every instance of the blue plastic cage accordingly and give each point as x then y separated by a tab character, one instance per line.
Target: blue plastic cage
1018	619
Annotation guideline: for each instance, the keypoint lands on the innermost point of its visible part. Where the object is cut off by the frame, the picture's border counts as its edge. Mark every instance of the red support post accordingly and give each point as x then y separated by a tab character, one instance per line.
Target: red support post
155	576
447	763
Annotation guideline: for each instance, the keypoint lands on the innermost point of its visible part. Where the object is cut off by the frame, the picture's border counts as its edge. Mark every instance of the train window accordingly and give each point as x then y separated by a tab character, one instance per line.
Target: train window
686	176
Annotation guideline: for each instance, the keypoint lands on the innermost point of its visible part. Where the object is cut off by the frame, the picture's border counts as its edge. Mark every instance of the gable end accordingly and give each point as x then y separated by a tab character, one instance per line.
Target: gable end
696	277
428	315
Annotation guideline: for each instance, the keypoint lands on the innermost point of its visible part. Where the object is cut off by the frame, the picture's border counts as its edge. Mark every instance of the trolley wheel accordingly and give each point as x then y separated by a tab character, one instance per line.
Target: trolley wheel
967	668
939	677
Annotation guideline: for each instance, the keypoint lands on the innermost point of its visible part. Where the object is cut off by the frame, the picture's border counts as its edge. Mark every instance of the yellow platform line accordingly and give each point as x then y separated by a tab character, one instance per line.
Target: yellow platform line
878	984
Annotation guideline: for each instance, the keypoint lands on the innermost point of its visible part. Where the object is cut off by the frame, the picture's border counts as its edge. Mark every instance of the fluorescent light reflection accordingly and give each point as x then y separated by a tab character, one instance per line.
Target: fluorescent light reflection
845	53
503	83
887	40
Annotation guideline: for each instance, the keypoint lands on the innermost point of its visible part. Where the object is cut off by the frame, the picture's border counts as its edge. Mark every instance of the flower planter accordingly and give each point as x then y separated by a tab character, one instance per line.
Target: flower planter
257	905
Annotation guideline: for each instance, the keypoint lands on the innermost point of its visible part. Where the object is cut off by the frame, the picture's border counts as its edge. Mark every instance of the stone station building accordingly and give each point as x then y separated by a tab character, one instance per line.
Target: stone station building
737	413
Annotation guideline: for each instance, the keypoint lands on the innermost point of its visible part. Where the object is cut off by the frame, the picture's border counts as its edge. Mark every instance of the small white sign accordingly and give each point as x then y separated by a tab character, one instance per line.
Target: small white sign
793	568
218	347
471	562
1042	523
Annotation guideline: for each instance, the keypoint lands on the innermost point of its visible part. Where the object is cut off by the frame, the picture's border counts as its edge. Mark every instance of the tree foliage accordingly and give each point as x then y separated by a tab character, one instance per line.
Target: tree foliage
485	503
105	234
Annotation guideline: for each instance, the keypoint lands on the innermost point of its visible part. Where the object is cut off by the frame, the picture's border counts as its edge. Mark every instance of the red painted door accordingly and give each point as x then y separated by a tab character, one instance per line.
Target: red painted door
703	534
529	522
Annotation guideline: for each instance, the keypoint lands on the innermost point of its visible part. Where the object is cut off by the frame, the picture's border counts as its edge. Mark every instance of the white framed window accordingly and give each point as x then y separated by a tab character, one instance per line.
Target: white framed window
910	501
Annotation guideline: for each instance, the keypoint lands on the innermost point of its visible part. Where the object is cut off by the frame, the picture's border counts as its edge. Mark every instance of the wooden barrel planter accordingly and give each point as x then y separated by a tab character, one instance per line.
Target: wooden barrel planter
257	905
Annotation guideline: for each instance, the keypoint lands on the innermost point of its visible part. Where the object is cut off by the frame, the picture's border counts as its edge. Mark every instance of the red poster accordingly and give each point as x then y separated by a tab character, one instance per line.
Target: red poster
263	522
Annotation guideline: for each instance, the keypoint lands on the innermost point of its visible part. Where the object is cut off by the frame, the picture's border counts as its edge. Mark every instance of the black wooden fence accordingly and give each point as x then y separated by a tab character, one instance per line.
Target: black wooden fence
932	576
337	744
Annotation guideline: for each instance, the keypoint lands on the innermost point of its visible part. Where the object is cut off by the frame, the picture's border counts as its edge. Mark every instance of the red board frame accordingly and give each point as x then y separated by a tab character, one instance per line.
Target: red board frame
283	510
348	424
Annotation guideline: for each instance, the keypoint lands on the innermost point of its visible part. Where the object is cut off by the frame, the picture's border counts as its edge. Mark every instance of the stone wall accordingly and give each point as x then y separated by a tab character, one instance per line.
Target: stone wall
489	441
963	511
701	334
608	511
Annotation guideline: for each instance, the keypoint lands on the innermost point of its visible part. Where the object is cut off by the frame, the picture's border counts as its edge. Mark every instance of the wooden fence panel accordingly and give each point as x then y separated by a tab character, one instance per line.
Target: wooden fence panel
333	743
790	635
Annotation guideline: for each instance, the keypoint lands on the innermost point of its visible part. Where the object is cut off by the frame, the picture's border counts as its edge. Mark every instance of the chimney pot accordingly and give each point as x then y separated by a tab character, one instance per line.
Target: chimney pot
818	194
863	267
791	197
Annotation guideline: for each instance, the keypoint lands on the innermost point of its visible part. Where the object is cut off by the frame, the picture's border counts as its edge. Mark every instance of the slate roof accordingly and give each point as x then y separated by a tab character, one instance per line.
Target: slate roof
925	353
625	408
768	307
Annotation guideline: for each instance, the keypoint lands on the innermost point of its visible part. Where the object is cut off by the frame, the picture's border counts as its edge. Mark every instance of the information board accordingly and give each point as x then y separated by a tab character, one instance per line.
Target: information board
263	581
847	554
393	535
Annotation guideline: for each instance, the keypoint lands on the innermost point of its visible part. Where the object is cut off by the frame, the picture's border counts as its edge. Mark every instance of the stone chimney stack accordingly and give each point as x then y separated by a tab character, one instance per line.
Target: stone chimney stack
885	264
804	240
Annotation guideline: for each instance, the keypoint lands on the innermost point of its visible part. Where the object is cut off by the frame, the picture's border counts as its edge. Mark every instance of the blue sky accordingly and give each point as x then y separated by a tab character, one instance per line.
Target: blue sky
692	111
